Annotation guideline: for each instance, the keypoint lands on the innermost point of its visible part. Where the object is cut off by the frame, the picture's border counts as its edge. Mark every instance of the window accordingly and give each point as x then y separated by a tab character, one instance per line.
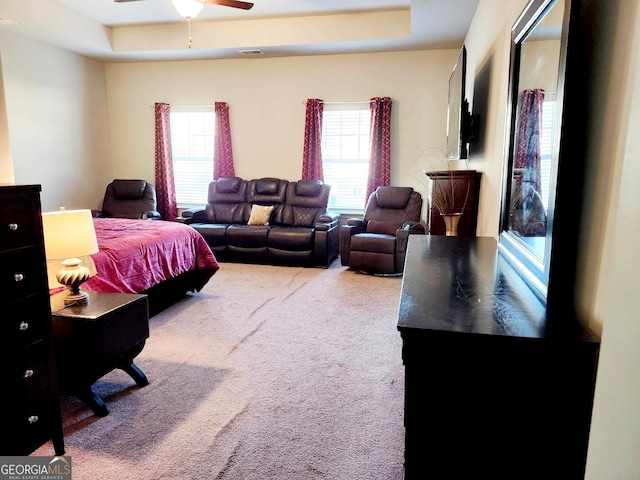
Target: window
345	157
192	134
546	144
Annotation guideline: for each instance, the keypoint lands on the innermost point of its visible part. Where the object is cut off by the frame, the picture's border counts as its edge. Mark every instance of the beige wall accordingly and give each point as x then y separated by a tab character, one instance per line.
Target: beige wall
56	122
6	161
488	46
266	98
539	65
608	277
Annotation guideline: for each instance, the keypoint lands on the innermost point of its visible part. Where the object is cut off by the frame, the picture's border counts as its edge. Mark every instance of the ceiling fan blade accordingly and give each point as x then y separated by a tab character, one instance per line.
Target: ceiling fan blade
231	3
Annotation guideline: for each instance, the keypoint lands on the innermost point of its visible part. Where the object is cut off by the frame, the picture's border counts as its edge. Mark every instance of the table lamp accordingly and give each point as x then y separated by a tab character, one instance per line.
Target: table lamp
69	234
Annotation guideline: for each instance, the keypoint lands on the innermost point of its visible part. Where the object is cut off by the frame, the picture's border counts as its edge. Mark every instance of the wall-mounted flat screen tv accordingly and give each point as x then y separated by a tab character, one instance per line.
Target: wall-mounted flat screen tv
458	110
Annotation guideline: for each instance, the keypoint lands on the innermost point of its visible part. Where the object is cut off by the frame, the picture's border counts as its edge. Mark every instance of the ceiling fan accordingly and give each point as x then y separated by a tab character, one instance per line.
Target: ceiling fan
225	3
190	9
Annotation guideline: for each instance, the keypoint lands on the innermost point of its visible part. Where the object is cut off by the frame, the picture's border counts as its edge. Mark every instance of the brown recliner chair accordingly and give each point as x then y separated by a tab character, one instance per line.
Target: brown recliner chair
129	199
377	243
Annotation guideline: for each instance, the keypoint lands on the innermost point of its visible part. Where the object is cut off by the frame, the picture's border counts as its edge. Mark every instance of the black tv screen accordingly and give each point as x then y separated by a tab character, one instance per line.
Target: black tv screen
457	110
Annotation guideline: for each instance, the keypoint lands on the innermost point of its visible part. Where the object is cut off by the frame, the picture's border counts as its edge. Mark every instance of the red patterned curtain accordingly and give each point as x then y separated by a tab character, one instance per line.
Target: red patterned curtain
312	151
223	152
165	184
528	149
380	144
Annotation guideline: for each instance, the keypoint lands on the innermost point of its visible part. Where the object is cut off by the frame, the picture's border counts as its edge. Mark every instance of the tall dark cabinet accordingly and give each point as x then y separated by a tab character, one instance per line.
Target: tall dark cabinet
30	413
462	188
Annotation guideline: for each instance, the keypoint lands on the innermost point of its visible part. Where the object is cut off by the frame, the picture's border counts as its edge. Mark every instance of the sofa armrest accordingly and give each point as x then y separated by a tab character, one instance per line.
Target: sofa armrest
358	225
194	215
414	227
326	239
327	221
402	239
401	236
328	217
346	231
153	215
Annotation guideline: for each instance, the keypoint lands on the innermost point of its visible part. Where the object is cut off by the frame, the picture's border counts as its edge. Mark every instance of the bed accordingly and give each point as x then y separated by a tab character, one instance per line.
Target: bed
163	259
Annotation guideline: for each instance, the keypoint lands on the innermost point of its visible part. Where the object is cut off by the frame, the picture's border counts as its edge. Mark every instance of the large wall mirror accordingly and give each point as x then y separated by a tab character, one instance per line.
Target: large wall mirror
536	111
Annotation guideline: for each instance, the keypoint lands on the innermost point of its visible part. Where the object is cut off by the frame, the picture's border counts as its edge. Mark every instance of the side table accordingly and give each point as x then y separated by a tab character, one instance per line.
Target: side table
92	340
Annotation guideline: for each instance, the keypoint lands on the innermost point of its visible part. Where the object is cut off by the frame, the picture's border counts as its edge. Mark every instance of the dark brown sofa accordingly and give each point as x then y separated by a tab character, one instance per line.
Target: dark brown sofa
298	229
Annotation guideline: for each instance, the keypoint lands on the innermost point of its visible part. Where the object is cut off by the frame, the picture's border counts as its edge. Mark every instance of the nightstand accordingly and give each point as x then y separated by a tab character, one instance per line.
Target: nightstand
92	340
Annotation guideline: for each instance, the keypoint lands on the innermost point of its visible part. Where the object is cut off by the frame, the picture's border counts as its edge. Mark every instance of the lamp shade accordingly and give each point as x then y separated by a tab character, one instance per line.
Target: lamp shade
69	233
188	8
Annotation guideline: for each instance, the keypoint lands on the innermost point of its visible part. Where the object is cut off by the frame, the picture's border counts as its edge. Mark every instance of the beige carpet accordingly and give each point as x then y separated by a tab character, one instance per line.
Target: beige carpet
268	373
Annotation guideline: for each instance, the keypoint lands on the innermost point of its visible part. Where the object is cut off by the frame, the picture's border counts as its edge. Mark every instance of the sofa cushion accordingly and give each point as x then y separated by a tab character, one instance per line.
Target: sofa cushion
393	197
215	234
308	188
260	214
247	236
387	228
228	184
304	217
225	212
291	238
372	243
129	189
267	186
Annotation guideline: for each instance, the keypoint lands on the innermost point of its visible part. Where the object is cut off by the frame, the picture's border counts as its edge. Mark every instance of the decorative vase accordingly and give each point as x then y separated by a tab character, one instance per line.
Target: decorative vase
451	223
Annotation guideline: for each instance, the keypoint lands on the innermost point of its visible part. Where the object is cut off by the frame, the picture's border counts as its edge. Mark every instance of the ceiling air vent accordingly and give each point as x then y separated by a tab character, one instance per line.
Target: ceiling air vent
251	53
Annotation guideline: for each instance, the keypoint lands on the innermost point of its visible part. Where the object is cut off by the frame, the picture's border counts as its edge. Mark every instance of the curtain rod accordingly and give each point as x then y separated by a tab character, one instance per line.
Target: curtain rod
341	103
185	106
192	106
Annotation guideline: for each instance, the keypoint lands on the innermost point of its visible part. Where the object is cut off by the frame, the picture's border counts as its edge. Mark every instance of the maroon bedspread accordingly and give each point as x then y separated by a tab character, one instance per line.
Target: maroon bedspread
137	254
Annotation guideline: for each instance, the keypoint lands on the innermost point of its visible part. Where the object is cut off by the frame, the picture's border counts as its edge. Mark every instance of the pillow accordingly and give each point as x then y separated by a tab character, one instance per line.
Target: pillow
388	228
260	215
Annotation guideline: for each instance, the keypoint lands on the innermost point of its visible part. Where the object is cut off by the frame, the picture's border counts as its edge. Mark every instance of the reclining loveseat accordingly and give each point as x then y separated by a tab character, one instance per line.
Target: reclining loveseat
268	220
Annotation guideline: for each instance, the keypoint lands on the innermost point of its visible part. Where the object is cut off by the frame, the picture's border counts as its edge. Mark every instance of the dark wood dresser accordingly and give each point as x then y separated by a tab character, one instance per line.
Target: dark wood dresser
30	406
493	388
462	187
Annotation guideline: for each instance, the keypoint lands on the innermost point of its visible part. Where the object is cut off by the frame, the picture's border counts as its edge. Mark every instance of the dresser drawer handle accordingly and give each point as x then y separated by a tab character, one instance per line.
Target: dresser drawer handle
33	419
18	277
23	326
28	373
13	226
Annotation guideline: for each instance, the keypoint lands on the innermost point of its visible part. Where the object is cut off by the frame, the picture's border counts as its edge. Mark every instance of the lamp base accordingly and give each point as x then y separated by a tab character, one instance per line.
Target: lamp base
73	275
76	298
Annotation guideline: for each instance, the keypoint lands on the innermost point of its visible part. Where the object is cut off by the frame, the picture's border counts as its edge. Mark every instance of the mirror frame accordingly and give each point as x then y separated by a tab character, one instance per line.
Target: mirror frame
553	286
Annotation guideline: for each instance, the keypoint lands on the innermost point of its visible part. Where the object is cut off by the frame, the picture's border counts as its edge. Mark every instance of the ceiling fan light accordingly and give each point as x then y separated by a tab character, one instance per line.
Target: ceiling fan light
188	8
